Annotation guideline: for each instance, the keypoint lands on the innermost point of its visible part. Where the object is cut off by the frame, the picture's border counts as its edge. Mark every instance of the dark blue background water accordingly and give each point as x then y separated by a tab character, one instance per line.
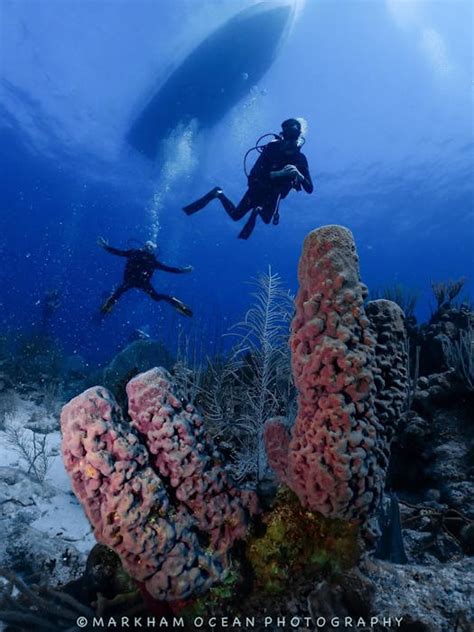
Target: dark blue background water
385	88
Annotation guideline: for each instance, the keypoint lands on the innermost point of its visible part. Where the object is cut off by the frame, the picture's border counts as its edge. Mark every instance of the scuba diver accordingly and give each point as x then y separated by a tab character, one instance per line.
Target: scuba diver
280	167
140	266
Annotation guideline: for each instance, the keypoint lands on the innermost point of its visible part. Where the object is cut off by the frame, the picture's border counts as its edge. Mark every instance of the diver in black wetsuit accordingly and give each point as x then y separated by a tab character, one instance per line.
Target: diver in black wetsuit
140	266
280	168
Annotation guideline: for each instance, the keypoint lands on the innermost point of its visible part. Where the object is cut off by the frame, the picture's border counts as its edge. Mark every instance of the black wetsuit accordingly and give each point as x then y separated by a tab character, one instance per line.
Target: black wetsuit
139	269
264	192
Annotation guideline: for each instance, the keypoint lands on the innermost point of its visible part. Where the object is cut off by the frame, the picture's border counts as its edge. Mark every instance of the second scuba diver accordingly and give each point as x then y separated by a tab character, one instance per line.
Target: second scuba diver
280	167
140	266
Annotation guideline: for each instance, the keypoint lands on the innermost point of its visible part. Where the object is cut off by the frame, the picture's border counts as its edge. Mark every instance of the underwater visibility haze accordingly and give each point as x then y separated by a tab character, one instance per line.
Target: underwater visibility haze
384	87
214	76
179	181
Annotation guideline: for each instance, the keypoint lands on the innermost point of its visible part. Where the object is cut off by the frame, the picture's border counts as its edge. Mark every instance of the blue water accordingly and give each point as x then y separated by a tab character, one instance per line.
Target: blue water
385	87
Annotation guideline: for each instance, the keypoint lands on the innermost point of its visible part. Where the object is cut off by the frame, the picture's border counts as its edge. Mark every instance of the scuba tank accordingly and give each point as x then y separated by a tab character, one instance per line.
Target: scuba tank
138	244
259	148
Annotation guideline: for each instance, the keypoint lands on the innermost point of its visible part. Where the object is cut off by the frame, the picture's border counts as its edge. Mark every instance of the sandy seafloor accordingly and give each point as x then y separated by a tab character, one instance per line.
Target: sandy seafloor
41	524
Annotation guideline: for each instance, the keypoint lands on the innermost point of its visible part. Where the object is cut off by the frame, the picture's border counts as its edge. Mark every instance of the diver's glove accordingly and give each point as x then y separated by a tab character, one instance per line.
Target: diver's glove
188	268
103	243
288	171
294	173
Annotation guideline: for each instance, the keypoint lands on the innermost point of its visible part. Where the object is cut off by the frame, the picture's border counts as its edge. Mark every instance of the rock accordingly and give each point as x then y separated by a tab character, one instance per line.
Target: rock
430	598
137	357
444	326
432	459
410	624
434	598
359	592
104	571
467	538
45	560
423	383
430	544
409	468
350	596
437	390
42	424
459	495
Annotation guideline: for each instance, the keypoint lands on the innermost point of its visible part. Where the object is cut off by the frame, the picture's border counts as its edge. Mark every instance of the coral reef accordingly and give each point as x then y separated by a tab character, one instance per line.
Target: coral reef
459	356
446	291
137	357
299	543
32	609
432	452
30	359
379	591
411	453
167	511
260	367
102	590
155	490
448	330
346	379
26	551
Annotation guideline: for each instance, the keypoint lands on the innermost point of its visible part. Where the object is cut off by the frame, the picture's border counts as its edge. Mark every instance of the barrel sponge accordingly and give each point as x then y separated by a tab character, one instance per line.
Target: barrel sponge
391	356
277	440
175	545
337	441
181	452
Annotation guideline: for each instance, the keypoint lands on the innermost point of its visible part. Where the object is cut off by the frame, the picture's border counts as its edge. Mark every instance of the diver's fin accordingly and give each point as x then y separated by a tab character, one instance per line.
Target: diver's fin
247	230
181	307
196	206
107	307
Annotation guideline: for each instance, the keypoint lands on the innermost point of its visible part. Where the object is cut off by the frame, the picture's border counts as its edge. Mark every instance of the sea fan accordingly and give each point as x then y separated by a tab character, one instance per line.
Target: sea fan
260	364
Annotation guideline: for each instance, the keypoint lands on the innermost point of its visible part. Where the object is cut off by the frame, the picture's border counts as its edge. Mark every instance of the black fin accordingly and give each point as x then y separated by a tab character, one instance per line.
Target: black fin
203	201
247	230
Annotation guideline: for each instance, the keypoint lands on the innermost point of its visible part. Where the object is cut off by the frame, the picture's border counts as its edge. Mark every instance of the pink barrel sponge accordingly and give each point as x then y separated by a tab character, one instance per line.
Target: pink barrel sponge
181	452
332	460
154	489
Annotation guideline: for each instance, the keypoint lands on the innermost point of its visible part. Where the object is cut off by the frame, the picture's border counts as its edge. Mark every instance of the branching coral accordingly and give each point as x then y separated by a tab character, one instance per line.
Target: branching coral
254	383
155	491
446	291
263	335
32	449
459	355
